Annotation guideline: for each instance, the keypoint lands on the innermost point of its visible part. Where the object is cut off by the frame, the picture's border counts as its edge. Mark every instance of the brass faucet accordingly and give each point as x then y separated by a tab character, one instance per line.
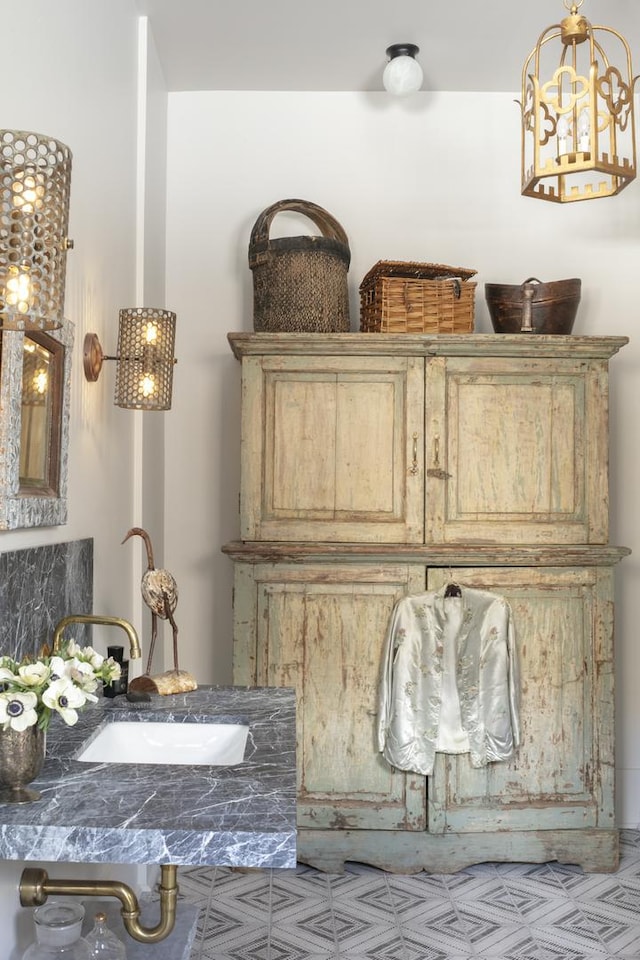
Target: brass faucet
134	643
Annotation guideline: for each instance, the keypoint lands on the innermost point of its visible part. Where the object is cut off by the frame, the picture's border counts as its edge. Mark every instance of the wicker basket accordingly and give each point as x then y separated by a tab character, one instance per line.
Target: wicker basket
397	297
300	283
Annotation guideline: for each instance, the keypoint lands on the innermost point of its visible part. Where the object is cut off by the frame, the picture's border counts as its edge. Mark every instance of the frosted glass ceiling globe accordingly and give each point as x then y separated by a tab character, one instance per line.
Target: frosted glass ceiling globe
403	74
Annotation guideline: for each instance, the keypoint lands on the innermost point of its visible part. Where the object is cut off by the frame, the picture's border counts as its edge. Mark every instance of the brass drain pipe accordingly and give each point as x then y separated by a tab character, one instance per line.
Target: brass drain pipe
36	886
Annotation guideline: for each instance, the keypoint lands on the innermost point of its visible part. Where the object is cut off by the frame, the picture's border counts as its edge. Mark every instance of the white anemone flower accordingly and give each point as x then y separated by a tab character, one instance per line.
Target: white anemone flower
111	670
33	674
90	656
65	697
7	675
82	673
17	710
59	667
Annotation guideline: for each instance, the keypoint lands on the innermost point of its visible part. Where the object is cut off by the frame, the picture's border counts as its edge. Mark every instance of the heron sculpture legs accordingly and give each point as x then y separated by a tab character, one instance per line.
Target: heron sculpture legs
154	636
174	627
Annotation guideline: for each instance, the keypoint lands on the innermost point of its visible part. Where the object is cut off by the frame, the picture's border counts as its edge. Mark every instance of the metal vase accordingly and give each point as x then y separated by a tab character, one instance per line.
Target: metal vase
21	759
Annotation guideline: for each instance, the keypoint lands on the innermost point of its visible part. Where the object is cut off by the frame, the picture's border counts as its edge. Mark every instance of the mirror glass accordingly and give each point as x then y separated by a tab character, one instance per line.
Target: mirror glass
42	362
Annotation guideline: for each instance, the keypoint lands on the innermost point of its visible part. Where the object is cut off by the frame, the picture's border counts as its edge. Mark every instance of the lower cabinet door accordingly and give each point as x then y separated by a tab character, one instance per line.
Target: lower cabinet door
562	775
321	628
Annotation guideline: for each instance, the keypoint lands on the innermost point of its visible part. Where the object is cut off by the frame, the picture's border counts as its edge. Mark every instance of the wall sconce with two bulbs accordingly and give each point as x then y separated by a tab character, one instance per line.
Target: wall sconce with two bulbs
144	362
35	181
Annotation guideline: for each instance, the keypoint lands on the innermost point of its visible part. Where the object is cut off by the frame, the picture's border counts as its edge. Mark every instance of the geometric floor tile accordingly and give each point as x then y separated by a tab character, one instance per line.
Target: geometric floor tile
486	912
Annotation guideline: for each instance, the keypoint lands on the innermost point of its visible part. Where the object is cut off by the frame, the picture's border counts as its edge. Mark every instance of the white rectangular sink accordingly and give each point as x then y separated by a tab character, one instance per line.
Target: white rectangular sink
219	744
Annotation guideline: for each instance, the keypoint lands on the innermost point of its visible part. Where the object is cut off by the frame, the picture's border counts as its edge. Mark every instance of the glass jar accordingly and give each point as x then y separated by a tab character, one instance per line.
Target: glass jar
58	932
103	943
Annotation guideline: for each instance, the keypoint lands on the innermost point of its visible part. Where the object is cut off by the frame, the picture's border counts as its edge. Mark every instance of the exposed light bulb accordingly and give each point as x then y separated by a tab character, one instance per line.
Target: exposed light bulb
147	385
562	130
151	333
18	289
403	74
28	192
584	127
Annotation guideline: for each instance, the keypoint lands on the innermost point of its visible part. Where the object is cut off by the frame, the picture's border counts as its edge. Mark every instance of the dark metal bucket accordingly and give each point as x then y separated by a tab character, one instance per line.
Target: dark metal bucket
532	306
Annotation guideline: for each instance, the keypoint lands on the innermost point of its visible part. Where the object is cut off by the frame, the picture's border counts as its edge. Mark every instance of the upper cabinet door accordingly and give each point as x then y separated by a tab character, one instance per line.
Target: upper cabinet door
516	450
332	449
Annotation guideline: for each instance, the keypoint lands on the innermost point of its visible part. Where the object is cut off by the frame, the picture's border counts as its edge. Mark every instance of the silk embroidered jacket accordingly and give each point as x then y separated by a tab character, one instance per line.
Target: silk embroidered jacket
485	669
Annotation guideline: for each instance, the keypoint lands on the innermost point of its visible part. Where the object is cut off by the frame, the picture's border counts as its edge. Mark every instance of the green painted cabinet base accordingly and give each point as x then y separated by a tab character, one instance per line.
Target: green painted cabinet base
319	624
596	851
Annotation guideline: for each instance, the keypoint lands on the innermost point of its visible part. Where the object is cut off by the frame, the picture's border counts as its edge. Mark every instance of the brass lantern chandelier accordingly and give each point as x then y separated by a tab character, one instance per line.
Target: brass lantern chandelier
578	126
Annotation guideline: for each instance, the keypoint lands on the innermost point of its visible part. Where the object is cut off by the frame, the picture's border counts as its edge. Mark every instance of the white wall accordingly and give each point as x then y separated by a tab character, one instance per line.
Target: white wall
85	96
70	71
433	178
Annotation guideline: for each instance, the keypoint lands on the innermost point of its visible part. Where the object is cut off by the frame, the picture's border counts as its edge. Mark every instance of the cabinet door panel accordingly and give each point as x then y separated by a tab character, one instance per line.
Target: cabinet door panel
321	629
561	776
329	451
521	449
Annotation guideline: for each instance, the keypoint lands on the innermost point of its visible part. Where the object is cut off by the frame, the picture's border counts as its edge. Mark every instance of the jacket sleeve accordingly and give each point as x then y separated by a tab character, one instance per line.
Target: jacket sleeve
385	689
514	678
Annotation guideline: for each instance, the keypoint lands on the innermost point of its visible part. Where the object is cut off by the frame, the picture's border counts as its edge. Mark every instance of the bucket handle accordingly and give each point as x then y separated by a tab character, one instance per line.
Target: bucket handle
528	291
259	242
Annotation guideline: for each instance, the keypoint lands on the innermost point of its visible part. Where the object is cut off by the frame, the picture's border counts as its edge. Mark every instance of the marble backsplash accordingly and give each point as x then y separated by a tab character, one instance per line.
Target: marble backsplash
39	586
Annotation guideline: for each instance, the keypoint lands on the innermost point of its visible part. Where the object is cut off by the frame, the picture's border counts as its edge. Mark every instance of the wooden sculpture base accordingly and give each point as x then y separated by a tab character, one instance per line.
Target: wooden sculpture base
171	681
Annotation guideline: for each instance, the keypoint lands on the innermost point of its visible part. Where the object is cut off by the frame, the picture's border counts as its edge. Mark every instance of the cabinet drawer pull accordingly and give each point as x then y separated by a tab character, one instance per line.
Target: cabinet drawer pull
414	463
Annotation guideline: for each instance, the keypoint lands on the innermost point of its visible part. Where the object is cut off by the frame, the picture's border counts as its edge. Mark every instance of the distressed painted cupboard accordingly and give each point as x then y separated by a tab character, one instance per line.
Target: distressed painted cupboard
372	467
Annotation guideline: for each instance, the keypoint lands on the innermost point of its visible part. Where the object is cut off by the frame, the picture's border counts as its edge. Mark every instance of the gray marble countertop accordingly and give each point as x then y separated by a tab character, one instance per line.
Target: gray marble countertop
241	815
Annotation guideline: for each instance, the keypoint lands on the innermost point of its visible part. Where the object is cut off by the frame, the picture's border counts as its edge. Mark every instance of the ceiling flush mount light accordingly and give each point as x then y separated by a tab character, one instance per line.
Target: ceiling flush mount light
403	74
145	360
35	180
578	126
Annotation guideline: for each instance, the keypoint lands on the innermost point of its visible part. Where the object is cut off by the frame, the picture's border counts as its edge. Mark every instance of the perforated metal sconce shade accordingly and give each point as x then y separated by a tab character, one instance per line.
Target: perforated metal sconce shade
35	180
144	371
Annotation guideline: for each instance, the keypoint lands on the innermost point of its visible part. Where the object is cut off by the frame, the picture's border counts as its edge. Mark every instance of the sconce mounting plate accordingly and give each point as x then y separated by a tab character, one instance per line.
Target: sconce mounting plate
92	357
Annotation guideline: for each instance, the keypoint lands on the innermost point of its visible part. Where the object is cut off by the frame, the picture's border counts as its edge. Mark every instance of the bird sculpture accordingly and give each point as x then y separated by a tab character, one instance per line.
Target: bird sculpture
160	593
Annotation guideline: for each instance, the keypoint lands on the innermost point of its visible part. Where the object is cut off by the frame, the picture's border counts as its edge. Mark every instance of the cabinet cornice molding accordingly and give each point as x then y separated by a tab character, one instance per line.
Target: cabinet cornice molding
460	345
447	555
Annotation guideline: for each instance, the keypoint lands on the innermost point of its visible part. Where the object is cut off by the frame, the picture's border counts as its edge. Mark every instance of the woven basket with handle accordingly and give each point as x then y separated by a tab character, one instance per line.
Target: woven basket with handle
300	283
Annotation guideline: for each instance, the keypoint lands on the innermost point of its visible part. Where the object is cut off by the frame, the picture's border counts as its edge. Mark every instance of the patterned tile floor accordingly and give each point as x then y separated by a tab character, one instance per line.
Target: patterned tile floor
489	911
